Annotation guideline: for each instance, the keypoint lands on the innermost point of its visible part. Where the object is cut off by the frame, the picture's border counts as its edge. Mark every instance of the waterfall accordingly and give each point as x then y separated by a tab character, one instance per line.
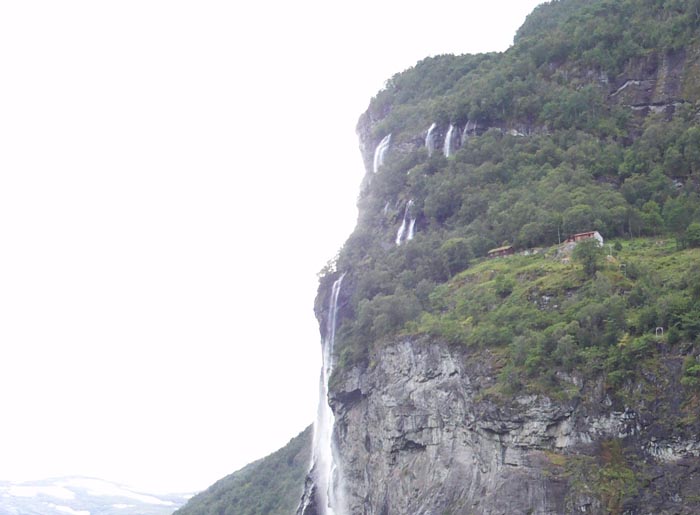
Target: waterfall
470	127
430	140
402	229
447	147
411	229
380	151
406	223
322	492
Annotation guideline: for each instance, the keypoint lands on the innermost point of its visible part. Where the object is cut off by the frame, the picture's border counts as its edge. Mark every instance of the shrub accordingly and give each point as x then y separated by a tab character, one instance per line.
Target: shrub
692	235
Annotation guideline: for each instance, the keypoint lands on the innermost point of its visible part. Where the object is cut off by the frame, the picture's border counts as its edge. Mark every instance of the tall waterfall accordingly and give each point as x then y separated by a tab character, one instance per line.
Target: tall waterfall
430	139
379	152
406	224
322	490
447	146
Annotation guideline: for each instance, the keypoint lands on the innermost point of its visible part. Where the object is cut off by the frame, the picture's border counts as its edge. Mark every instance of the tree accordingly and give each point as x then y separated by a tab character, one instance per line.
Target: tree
675	215
578	218
692	235
589	253
651	217
456	254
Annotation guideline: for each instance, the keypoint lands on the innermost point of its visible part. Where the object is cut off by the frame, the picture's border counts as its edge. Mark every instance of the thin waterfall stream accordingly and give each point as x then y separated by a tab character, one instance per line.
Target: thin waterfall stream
379	153
447	146
430	139
406	223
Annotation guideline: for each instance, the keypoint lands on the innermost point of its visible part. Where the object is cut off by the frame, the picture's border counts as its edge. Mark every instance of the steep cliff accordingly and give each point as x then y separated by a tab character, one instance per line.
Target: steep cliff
419	434
560	380
434	423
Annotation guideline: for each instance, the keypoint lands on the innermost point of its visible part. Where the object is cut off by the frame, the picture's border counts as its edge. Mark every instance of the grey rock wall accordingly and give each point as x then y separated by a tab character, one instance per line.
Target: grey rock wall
420	434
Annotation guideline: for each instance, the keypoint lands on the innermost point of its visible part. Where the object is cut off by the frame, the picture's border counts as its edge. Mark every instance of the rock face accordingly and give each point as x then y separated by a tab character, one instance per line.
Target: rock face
420	433
653	84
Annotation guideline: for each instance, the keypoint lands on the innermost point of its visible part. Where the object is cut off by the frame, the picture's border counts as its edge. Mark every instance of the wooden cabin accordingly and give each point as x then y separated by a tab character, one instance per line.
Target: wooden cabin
501	252
585	236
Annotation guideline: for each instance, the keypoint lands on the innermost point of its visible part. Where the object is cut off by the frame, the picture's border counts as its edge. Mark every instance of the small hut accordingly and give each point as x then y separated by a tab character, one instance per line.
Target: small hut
501	252
585	236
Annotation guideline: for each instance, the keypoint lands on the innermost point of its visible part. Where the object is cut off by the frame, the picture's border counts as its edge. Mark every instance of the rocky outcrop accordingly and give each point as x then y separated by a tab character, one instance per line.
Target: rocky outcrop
421	432
653	84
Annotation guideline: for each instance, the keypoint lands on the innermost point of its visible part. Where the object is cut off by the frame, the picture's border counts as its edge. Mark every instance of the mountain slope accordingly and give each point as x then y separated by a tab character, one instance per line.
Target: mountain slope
538	150
270	486
564	379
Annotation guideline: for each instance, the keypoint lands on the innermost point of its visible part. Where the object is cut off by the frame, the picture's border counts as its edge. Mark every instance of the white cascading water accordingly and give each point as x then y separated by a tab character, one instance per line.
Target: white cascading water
406	223
430	140
411	229
447	147
402	229
379	152
469	129
324	470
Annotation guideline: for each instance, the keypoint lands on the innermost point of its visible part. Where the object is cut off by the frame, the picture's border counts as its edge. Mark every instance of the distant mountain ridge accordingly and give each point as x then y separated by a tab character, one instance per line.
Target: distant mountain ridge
83	496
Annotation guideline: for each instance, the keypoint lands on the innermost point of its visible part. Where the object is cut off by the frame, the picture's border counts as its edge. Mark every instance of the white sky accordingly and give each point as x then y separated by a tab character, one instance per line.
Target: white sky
172	176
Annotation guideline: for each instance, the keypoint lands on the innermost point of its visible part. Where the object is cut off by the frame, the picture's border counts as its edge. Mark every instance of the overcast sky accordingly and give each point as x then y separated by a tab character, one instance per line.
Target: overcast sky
173	174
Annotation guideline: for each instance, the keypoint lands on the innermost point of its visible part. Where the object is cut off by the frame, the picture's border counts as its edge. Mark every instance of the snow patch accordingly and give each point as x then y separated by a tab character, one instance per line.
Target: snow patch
57	492
69	510
101	488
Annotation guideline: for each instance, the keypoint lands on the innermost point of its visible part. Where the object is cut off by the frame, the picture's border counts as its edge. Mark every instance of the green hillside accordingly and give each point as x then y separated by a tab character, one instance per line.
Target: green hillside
591	311
270	486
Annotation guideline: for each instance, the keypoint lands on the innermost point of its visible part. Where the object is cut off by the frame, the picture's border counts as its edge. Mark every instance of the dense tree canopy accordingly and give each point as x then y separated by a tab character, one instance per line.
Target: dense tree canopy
549	147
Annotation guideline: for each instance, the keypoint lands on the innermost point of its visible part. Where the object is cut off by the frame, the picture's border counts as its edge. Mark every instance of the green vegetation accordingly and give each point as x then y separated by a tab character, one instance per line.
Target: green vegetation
549	316
549	76
589	254
531	191
556	152
610	477
606	34
270	486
